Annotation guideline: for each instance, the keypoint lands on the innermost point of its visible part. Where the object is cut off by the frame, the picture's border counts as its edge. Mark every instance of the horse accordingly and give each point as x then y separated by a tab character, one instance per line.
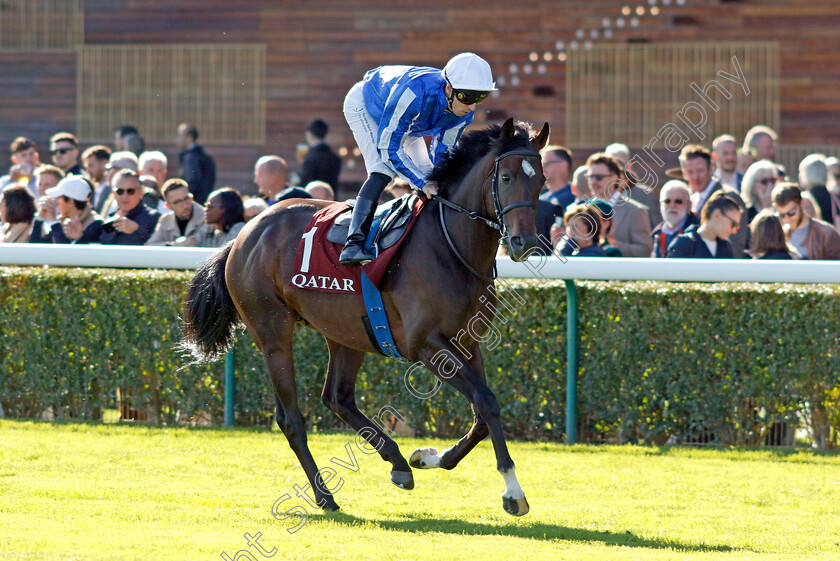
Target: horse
489	186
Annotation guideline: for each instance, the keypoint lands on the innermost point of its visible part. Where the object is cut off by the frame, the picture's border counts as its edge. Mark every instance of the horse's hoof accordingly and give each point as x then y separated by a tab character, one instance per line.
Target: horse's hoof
402	479
421	458
329	505
516	507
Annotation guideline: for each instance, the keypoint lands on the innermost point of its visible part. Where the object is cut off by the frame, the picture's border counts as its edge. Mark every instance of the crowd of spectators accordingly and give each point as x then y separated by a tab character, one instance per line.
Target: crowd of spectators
121	195
729	201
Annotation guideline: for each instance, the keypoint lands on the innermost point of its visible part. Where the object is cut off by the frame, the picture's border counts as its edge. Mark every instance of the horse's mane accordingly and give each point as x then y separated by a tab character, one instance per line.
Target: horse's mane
473	146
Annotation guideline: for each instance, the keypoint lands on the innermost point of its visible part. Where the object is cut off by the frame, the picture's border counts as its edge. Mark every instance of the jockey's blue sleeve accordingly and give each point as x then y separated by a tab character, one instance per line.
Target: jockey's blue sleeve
447	139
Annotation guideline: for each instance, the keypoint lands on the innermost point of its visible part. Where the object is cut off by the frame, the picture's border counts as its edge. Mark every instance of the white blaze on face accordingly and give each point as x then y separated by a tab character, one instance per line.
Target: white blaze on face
529	169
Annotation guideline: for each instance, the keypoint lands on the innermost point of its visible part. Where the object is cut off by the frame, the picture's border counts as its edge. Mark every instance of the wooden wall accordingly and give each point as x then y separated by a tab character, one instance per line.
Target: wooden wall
316	49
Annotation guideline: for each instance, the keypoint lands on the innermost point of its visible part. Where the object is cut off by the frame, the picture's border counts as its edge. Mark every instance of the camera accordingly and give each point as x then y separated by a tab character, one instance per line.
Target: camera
108	225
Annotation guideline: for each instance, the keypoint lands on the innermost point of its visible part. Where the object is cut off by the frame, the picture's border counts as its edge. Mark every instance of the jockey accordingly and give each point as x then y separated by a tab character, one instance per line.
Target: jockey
390	111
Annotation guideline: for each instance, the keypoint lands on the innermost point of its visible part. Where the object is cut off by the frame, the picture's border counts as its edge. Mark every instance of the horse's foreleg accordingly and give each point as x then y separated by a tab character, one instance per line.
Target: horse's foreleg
470	381
339	396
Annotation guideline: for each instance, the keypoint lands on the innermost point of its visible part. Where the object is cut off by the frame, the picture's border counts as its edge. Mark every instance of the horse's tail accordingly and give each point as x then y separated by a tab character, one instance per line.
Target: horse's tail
210	318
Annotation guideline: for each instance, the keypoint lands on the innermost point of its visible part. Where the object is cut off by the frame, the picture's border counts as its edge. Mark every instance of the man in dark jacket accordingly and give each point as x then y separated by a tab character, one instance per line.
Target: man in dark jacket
133	222
320	162
720	218
674	205
197	167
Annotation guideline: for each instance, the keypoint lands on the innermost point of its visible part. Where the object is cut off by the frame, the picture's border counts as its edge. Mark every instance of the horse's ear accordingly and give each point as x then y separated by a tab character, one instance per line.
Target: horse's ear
507	129
541	140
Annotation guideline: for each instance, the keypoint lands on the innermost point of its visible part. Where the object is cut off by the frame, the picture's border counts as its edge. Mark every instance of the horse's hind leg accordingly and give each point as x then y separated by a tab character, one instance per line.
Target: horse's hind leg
339	396
272	331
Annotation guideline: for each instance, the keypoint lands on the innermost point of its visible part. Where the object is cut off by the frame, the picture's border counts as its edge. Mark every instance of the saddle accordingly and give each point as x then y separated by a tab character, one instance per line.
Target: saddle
390	222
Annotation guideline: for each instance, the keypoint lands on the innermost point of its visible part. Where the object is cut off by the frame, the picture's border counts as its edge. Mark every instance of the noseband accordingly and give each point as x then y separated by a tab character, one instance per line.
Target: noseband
498	223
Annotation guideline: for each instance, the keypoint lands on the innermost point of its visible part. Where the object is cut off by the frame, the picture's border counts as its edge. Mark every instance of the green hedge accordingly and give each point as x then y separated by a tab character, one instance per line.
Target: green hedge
658	361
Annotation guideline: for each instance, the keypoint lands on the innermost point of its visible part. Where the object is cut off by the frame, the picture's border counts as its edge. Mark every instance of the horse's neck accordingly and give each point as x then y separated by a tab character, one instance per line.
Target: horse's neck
476	241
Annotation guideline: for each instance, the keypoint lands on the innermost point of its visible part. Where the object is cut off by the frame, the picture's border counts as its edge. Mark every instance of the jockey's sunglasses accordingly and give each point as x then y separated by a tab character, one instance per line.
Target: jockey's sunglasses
468	97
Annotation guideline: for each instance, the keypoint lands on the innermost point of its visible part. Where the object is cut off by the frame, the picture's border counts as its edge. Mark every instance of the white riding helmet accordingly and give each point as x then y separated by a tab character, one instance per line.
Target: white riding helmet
468	71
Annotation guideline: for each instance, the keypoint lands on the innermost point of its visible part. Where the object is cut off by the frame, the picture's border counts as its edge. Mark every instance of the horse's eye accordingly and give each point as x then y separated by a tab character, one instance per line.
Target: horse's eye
506	177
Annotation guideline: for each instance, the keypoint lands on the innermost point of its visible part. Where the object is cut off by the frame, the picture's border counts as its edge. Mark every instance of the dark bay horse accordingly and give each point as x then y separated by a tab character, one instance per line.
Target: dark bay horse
431	291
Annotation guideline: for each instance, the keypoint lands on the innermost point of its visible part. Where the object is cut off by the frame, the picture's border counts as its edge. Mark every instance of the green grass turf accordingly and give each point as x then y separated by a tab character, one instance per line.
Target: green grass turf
123	492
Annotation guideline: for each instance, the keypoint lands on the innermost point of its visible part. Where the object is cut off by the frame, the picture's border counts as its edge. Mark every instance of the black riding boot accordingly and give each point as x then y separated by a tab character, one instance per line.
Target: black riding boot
354	248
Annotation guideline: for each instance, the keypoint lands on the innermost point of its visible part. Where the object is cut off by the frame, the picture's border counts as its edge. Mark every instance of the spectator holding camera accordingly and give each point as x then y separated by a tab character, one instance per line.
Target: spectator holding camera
17	211
70	218
133	222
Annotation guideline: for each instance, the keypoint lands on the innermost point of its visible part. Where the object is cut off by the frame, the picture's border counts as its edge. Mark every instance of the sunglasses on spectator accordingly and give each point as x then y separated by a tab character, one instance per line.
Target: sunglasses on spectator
736	225
675	201
61	151
789	214
130	191
598	177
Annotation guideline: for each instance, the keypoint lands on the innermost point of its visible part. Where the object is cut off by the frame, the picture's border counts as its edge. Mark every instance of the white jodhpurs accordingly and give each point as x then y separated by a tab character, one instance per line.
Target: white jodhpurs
366	132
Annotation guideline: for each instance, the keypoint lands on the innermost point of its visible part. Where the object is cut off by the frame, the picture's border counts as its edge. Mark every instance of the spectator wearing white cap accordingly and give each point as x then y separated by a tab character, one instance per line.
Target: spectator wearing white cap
71	219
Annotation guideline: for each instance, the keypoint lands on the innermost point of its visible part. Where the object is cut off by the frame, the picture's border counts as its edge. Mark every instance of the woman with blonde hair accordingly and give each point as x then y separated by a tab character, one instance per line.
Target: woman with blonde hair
756	186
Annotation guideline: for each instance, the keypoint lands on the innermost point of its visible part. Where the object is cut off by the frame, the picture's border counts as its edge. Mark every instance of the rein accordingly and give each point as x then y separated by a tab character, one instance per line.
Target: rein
498	223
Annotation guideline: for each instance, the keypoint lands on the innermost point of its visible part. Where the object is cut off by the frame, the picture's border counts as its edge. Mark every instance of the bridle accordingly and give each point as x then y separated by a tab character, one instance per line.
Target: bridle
498	223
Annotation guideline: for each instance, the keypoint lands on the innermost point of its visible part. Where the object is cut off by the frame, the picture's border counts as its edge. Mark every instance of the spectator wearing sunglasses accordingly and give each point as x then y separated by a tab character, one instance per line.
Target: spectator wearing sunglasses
186	218
720	218
756	186
224	218
106	202
630	231
812	238
768	238
675	205
390	111
64	150
133	222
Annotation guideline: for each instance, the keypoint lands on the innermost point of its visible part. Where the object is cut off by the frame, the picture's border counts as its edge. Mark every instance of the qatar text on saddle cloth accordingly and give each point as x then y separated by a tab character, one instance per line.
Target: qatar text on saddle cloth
316	262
